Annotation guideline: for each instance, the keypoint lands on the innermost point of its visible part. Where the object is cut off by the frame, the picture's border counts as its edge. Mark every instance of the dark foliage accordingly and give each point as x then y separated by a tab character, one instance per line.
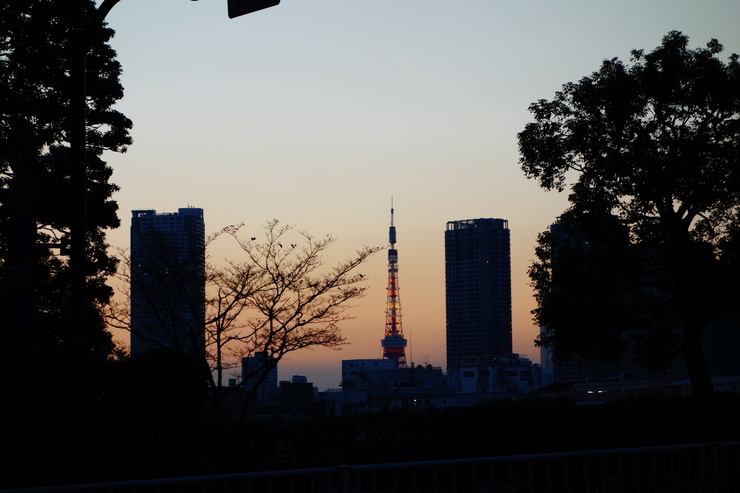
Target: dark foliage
173	445
53	367
34	87
651	148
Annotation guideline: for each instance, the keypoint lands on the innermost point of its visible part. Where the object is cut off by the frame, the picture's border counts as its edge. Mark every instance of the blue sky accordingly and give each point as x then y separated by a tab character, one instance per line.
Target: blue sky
317	112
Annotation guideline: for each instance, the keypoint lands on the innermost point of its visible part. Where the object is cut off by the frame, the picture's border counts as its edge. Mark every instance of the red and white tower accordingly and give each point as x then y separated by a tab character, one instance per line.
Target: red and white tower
394	344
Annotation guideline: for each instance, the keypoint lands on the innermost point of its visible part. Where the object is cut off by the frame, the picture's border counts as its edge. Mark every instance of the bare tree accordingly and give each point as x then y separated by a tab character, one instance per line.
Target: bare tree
299	305
279	297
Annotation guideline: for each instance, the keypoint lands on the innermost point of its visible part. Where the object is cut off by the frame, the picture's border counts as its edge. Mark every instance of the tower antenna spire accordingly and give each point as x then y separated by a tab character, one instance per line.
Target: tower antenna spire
392	231
394	344
391	210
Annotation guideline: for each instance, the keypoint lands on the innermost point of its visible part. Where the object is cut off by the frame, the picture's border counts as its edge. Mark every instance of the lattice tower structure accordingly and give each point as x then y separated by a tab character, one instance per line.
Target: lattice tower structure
394	344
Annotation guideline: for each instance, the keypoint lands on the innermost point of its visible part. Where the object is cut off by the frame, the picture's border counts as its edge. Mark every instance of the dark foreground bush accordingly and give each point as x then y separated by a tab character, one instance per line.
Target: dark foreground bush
55	452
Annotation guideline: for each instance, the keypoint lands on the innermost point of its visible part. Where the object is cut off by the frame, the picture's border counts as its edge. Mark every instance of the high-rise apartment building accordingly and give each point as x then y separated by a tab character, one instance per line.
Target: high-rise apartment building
478	291
168	281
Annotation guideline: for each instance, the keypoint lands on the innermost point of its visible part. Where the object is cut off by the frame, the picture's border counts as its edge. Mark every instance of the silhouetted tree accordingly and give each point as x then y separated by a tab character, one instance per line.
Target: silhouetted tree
275	300
298	305
600	297
581	269
656	144
34	88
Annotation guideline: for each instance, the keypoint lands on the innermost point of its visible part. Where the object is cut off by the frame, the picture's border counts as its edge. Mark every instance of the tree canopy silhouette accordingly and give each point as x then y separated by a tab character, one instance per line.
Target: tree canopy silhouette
655	144
35	89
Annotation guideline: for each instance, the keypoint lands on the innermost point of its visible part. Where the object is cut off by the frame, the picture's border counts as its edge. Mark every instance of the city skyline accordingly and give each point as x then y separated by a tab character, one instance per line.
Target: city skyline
315	114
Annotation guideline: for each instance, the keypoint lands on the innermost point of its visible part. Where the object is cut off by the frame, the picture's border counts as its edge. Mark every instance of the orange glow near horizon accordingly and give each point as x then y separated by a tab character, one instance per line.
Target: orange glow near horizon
315	114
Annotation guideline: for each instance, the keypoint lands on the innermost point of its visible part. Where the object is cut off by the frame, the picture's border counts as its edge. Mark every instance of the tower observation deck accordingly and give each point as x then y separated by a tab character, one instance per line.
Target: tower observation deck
394	344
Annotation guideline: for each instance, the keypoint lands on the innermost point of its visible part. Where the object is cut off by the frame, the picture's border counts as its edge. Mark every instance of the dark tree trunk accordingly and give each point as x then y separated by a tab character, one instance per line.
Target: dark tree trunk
691	266
692	350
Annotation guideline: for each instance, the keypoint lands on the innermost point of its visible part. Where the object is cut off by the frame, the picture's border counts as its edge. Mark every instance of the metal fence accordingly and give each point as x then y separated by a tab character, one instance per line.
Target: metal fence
711	468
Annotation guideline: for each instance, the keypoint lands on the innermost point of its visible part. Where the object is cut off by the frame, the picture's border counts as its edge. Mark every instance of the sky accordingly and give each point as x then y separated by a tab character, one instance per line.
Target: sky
316	113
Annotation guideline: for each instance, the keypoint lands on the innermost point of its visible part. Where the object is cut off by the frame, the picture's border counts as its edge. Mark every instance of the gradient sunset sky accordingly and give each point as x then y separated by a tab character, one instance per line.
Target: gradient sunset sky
317	112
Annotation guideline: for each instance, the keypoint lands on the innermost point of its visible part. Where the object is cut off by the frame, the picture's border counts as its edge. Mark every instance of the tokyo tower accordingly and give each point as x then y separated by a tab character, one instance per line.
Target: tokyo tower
394	344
